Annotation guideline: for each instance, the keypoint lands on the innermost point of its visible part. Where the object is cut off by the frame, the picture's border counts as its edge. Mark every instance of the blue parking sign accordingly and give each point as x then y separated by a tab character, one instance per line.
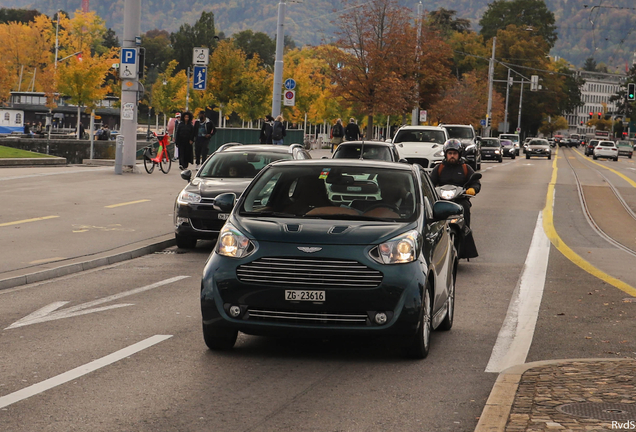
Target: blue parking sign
128	63
482	122
200	79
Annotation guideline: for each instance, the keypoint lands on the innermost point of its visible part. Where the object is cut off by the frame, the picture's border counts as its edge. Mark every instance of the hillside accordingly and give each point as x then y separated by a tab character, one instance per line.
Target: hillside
606	33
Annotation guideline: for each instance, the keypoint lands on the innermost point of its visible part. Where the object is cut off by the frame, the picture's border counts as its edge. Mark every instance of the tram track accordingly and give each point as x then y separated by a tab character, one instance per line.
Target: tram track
631	250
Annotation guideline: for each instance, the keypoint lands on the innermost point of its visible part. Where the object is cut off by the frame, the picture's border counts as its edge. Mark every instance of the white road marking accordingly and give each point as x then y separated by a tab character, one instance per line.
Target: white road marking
517	331
80	371
56	173
50	312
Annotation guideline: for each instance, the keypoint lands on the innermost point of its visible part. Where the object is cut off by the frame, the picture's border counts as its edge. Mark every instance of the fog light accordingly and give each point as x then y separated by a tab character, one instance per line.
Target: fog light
380	318
235	311
182	220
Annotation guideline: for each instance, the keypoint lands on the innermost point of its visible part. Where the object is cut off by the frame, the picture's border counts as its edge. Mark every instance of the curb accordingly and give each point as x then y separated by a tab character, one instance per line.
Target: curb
494	416
46	161
68	269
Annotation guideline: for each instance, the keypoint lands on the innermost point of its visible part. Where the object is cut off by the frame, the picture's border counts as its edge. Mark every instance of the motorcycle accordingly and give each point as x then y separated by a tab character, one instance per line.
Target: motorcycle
460	230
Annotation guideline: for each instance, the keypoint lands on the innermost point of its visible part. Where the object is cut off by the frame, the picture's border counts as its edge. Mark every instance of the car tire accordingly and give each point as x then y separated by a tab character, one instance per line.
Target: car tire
447	323
594	157
478	166
513	156
184	242
527	156
219	341
549	157
616	159
629	156
420	343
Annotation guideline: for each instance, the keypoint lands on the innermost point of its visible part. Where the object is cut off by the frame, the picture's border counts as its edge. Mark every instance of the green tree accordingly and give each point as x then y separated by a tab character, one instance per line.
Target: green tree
201	34
110	39
225	76
553	124
445	21
532	14
256	44
158	49
590	64
23	16
254	100
623	106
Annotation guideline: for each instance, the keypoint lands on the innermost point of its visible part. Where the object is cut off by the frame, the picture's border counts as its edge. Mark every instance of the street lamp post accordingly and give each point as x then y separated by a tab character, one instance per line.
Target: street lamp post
278	64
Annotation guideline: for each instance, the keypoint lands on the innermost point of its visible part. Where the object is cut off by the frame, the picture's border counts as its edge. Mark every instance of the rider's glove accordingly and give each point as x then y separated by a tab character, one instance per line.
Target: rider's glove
470	191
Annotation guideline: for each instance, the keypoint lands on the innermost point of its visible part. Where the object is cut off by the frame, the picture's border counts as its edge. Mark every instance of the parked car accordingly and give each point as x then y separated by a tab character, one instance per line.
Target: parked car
290	262
491	149
539	147
508	148
367	150
589	148
230	169
470	141
606	149
422	145
625	148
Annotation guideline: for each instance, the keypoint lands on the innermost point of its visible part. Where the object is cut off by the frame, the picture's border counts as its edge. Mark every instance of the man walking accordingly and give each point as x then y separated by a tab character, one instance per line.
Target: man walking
337	135
204	129
352	131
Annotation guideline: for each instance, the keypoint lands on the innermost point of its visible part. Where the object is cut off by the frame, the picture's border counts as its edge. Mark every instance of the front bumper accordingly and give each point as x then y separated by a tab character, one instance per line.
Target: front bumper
345	310
199	221
492	156
544	153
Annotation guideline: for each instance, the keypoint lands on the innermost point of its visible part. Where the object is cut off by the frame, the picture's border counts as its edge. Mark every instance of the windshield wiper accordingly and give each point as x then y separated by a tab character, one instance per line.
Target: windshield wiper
268	213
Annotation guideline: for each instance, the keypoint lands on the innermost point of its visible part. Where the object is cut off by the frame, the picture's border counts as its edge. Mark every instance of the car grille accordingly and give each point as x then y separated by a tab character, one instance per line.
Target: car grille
207	224
309	273
421	161
322	318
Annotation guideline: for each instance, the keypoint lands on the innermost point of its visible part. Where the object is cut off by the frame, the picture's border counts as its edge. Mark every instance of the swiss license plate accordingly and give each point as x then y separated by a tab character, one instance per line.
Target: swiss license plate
302	295
224	216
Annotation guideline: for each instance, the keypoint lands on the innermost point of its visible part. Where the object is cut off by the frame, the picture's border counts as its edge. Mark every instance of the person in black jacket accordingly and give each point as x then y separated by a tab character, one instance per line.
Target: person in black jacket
352	131
453	170
184	137
266	130
203	131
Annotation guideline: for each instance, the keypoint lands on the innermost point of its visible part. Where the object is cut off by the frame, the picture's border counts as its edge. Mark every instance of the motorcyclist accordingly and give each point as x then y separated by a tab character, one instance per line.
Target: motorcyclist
454	171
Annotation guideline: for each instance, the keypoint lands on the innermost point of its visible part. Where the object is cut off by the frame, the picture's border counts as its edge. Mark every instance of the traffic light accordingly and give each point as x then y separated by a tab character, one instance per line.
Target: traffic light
599	115
631	91
489	121
591	115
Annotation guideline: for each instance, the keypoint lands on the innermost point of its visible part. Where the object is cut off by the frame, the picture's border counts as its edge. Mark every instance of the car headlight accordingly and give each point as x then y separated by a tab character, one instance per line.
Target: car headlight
496	151
401	249
189	198
233	243
439	153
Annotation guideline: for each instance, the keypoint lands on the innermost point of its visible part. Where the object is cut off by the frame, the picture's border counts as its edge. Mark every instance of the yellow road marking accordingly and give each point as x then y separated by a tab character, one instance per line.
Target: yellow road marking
621	175
555	239
81	231
28	220
126	203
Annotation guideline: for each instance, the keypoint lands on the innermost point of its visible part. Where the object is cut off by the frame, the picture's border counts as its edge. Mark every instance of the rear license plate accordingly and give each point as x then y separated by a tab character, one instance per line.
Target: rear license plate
224	216
302	295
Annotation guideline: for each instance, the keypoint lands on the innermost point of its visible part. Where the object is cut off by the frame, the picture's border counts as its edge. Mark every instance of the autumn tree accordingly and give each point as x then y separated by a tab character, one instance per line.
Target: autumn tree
166	89
373	61
225	75
254	100
553	124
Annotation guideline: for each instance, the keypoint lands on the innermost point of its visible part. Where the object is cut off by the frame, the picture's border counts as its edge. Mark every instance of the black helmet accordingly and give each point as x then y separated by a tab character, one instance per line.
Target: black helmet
453	144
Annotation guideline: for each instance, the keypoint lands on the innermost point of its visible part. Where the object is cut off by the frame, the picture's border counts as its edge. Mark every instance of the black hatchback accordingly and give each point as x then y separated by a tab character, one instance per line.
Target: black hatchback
230	169
290	261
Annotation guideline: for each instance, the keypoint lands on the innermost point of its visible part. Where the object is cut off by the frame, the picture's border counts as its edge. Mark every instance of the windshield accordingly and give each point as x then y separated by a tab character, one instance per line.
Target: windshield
323	192
623	144
490	143
513	138
460	132
538	142
505	143
351	151
427	136
238	164
607	144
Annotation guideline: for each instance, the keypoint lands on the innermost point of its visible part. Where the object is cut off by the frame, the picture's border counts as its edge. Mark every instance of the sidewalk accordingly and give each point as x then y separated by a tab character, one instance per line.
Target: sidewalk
563	395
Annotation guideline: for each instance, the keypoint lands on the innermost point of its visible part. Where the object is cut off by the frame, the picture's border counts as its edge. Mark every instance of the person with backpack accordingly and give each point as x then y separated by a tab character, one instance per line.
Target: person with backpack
278	131
352	131
266	130
203	129
337	135
184	138
455	171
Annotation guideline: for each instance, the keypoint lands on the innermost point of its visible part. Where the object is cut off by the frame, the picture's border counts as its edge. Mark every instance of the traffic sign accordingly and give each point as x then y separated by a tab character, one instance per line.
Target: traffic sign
128	60
482	122
290	98
200	77
423	116
518	130
200	56
290	84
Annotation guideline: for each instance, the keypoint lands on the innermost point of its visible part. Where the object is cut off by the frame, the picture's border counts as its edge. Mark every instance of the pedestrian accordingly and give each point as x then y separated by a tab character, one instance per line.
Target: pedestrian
27	128
352	131
337	135
106	133
172	126
266	130
184	137
204	129
278	131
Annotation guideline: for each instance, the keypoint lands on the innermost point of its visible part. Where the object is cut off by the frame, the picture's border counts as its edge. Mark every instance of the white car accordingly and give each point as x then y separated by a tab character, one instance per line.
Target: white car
606	149
512	137
423	145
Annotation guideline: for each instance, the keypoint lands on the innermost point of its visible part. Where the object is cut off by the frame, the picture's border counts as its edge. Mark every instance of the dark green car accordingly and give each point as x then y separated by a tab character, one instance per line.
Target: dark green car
332	247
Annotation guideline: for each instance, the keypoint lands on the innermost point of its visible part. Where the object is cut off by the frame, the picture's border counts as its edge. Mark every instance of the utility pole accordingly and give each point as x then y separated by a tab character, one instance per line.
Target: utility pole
278	64
491	74
130	86
188	91
520	103
415	115
508	84
57	39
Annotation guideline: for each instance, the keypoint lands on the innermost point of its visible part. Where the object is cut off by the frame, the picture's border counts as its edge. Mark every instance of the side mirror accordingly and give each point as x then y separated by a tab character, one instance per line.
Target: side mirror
186	175
475	176
224	202
443	210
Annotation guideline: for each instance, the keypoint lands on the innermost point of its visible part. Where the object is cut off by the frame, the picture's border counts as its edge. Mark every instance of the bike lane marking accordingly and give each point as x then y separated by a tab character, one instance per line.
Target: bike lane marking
80	371
27	220
126	203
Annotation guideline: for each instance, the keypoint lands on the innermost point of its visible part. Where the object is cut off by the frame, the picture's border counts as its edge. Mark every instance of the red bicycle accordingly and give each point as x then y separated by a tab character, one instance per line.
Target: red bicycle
159	157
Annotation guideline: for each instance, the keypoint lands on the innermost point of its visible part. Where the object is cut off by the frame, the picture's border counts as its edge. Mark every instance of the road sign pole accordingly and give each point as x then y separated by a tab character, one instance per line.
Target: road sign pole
129	88
491	74
188	90
278	64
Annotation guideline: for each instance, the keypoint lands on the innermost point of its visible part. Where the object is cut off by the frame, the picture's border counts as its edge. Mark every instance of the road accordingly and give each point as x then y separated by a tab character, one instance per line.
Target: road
119	348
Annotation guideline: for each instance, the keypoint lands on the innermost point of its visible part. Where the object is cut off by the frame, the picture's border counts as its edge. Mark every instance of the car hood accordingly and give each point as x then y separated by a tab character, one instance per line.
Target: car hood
538	147
320	231
419	149
211	187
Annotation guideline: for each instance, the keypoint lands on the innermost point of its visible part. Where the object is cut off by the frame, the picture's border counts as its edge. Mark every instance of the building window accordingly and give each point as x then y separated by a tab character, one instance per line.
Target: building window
18	118
7	117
